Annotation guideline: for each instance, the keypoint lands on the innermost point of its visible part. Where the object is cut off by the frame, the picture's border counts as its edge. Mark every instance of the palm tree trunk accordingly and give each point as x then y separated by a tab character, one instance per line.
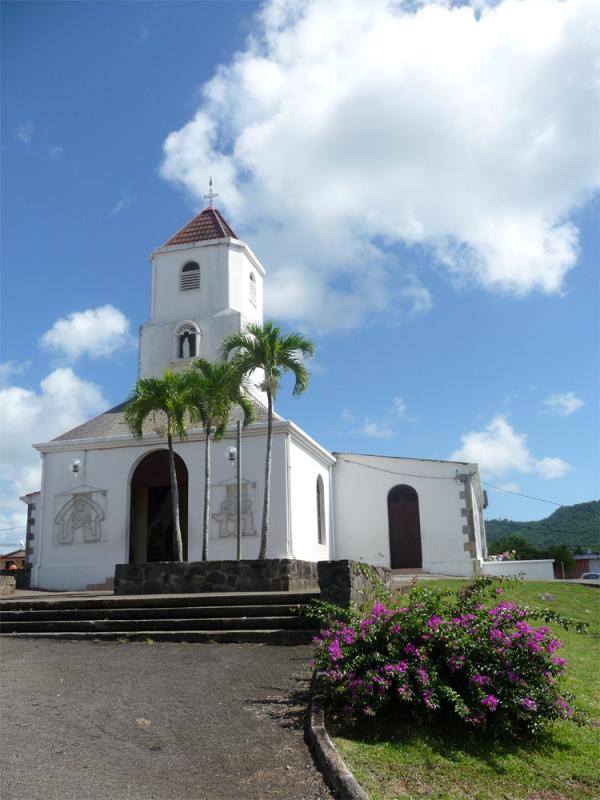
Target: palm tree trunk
177	544
206	497
267	500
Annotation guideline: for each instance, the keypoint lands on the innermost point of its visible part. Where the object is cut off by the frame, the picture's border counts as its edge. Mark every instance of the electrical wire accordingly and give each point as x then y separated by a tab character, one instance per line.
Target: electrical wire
453	478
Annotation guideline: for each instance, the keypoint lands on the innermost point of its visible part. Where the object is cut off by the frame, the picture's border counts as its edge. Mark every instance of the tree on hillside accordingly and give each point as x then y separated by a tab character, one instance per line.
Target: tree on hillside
213	390
263	347
166	396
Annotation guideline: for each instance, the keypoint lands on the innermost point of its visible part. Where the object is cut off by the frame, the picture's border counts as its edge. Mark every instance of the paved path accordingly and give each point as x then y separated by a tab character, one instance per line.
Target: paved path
135	721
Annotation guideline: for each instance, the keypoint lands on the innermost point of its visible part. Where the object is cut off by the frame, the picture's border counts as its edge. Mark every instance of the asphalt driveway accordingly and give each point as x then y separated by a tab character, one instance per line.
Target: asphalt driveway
136	721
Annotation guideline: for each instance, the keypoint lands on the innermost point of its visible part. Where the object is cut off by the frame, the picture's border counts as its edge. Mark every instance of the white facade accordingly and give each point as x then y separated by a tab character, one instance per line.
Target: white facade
104	478
450	504
228	297
541	569
106	509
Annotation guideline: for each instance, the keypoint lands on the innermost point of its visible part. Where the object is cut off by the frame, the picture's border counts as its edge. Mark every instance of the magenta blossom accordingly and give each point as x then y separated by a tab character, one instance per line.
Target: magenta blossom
423	676
335	651
402	666
491	702
480	680
499	590
529	704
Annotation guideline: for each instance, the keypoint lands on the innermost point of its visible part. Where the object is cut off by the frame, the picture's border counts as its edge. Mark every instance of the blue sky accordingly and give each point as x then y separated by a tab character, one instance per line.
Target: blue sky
431	221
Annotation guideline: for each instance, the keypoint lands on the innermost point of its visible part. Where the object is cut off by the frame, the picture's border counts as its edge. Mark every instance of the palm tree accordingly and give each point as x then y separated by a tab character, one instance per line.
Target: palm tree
262	347
166	395
214	388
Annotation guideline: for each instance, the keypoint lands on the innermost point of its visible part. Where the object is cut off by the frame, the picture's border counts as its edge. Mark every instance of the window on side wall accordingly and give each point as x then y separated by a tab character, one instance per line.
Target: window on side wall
320	511
189	277
252	288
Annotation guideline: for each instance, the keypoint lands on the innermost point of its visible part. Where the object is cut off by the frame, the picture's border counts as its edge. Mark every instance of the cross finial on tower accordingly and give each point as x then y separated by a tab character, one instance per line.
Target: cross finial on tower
210	194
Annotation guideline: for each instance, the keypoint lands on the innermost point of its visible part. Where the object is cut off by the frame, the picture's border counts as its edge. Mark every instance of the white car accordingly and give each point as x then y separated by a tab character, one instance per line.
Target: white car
591	576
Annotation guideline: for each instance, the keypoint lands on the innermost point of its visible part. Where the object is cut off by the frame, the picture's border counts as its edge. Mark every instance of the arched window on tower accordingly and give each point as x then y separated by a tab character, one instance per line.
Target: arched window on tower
252	288
189	277
320	511
187	341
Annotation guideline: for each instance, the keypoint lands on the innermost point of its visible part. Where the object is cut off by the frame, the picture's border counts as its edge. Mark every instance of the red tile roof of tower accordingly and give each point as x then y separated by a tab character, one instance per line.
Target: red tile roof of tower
209	224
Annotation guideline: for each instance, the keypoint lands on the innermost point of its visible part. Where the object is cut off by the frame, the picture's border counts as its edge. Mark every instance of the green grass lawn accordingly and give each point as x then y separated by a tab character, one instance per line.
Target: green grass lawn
400	760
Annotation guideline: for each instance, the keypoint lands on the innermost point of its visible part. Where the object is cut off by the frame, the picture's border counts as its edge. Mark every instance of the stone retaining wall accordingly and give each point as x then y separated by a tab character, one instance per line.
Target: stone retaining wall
175	577
342	582
345	582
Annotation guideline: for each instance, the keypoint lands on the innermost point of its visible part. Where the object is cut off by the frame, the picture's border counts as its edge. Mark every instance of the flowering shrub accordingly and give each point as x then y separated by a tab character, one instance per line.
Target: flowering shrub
445	653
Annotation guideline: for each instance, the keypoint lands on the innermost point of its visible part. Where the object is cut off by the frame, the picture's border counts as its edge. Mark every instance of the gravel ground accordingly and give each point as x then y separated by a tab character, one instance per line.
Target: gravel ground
163	721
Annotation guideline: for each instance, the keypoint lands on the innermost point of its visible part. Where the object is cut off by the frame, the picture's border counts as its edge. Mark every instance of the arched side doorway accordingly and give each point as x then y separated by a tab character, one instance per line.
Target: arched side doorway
405	528
151	517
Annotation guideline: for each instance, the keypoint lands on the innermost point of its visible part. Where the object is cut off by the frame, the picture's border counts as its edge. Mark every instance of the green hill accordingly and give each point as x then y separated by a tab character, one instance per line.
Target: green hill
577	526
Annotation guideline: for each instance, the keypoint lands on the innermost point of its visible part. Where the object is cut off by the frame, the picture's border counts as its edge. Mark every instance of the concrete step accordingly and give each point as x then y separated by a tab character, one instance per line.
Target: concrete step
218	624
175	612
278	636
159	601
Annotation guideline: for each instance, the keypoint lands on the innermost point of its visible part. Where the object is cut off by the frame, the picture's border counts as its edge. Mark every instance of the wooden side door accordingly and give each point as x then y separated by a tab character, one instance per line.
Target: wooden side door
405	528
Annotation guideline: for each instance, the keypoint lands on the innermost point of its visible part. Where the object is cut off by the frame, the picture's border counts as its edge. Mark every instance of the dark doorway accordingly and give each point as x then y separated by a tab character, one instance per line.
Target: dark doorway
405	528
151	527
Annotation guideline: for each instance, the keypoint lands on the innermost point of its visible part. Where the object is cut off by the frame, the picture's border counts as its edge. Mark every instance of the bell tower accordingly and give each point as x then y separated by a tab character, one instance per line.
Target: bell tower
206	284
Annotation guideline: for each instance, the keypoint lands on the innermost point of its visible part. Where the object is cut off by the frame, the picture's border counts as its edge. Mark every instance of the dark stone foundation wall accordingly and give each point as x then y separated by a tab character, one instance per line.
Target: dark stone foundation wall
351	582
341	582
164	577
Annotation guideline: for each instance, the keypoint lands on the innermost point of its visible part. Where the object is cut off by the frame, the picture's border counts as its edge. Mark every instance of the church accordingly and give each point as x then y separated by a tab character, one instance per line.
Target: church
105	498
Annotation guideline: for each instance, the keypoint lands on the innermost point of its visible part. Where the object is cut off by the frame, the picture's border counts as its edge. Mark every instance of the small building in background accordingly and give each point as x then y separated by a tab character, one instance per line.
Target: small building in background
13	560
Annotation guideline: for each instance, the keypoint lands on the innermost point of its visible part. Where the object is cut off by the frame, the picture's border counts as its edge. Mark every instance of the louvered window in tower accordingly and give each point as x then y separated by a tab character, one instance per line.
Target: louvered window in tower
252	288
190	276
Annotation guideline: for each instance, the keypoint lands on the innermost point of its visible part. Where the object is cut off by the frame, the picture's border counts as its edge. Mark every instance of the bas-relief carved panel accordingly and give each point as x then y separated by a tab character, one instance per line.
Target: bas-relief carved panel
225	498
79	518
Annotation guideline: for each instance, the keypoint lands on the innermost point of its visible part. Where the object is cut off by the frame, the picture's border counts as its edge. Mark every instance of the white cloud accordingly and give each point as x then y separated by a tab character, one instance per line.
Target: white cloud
24	132
509	487
563	404
96	332
56	152
8	368
122	204
346	128
499	450
28	417
378	430
400	409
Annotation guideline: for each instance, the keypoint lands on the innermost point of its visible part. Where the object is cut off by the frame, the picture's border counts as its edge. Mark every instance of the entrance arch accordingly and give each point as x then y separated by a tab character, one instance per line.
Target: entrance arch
151	527
405	528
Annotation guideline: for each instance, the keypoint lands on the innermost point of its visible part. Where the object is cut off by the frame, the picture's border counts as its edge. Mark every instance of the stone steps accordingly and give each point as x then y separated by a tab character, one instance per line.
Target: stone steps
148	613
269	617
277	636
215	624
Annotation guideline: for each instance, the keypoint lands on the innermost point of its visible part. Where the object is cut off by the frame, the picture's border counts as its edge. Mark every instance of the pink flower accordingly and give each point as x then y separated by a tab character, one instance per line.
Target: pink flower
529	704
423	676
434	623
564	709
455	662
335	651
480	680
380	609
402	666
489	701
499	590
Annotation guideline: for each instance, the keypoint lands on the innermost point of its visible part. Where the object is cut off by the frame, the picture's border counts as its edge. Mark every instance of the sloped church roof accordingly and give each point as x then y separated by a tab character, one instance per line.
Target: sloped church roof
209	224
112	423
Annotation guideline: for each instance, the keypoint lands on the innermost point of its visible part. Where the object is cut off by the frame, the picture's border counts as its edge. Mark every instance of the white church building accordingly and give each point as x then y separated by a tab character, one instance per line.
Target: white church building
105	497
